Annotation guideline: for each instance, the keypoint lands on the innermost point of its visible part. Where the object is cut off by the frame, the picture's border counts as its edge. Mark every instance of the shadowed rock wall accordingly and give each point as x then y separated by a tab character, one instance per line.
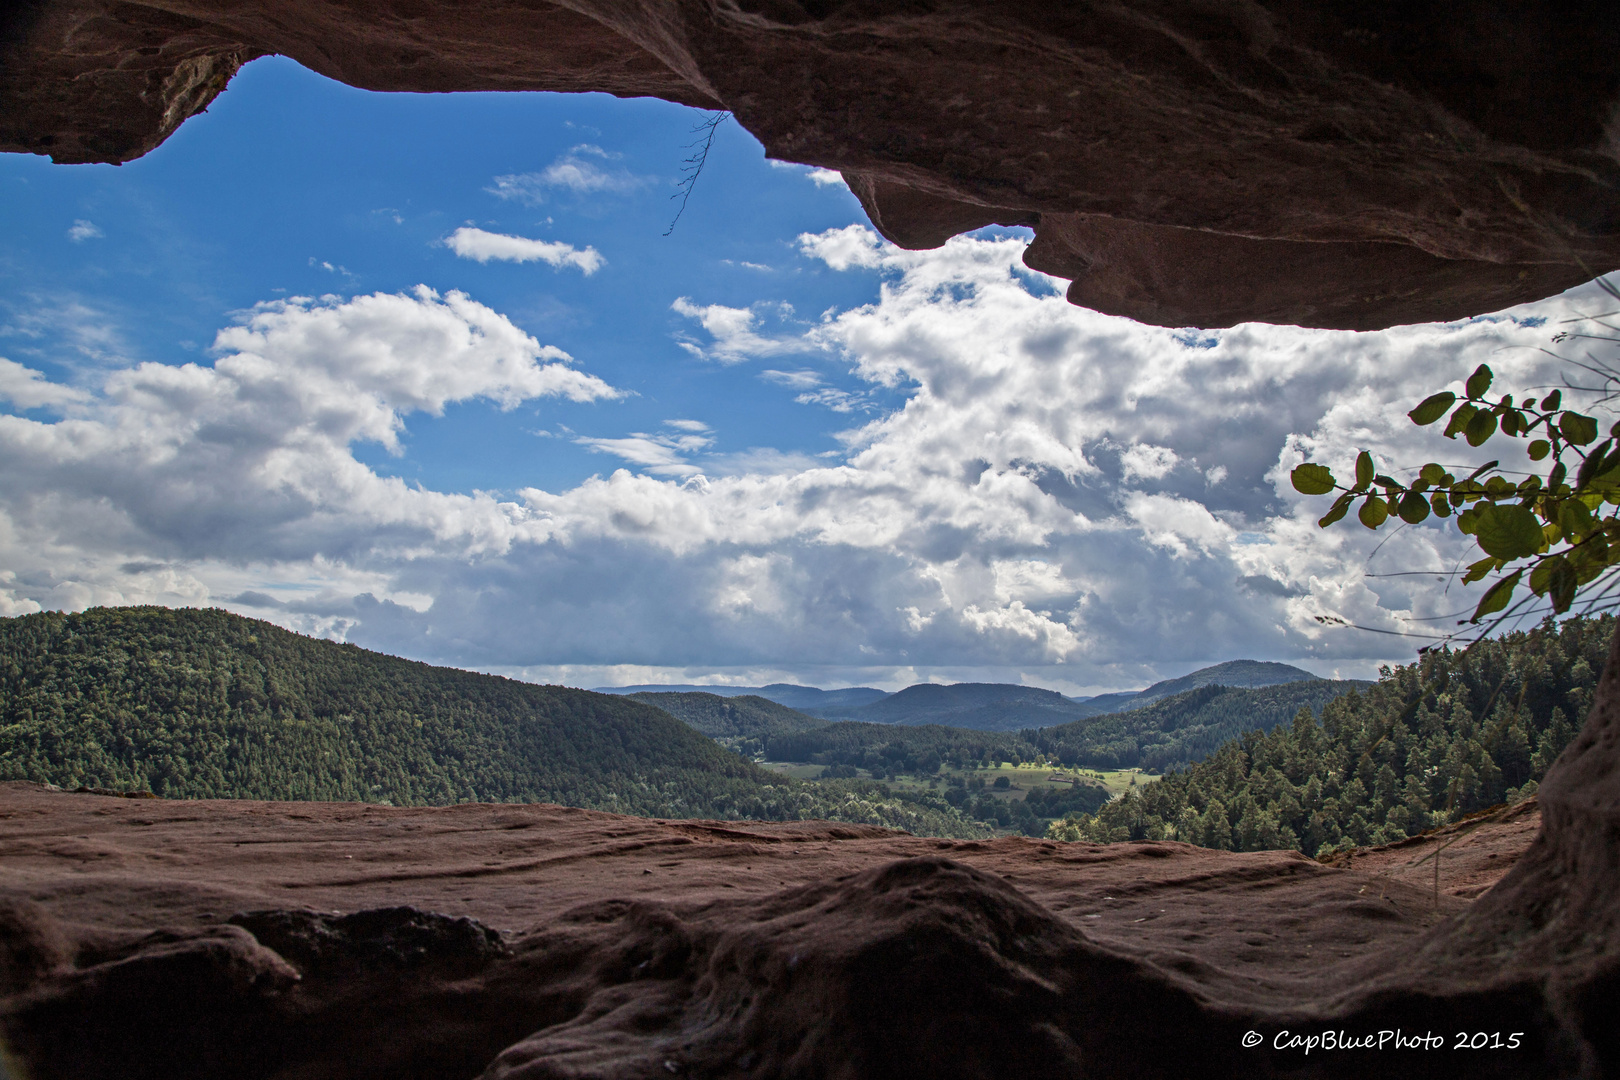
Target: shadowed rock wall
1340	163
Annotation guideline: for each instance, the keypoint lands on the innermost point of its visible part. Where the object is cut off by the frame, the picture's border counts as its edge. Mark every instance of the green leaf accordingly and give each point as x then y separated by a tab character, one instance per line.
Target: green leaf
1459	419
1557	578
1562	586
1574	519
1442	505
1414	508
1507	532
1374	512
1551	402
1539	449
1479	381
1432	472
1432	408
1480	427
1477	571
1512	422
1340	506
1364	470
1593	465
1576	428
1497	596
1312	479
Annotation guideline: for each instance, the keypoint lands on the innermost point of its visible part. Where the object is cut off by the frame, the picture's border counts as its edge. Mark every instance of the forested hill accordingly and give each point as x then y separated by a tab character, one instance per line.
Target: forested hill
1175	731
740	724
1166	734
1244	673
979	706
1430	742
206	704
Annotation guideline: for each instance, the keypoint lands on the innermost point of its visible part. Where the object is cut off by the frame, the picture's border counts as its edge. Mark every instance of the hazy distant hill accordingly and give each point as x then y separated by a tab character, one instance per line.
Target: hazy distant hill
979	706
1241	673
807	699
740	724
1010	707
1164	734
1107	703
206	704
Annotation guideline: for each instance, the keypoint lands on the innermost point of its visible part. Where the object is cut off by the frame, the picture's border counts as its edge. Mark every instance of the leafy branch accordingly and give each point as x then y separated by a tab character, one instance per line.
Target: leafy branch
1556	534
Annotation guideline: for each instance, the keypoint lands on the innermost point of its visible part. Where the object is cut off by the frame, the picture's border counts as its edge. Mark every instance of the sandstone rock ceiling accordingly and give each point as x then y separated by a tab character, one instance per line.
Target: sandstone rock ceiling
1340	163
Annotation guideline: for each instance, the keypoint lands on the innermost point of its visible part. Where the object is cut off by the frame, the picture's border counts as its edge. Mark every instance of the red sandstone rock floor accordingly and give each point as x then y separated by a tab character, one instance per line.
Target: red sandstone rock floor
1471	855
630	948
1245	925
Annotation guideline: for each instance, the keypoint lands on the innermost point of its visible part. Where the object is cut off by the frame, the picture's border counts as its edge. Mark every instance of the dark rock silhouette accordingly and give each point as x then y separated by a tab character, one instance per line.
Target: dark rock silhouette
1350	165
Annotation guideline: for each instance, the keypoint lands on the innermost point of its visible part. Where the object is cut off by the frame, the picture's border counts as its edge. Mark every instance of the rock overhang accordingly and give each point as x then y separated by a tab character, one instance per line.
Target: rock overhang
1350	165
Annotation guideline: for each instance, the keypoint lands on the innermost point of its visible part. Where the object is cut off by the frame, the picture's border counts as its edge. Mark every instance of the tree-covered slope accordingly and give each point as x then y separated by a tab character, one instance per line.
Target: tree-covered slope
979	706
1176	731
1245	673
1164	734
740	724
206	704
1430	742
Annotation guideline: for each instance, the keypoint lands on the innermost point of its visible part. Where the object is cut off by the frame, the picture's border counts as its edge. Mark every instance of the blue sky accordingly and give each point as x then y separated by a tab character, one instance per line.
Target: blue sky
294	184
423	372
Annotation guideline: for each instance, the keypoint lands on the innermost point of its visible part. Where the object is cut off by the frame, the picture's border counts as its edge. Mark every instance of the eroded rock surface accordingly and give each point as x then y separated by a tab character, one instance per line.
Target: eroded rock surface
1462	859
1350	164
198	939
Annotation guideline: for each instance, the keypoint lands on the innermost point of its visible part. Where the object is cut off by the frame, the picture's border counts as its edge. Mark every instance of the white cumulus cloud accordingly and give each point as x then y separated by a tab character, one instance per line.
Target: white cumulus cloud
583	170
249	460
29	389
819	177
735	333
473	243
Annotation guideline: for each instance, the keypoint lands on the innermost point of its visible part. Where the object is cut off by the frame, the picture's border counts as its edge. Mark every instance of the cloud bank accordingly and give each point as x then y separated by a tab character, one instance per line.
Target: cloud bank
1064	498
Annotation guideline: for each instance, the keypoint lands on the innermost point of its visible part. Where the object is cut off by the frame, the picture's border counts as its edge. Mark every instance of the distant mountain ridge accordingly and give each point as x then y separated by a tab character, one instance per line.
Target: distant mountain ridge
983	706
806	699
976	706
1244	674
1165	734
